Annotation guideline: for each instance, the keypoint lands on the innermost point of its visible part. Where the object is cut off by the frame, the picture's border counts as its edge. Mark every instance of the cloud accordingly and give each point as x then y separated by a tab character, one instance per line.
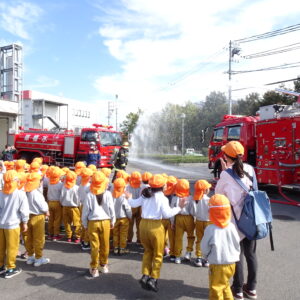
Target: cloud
174	51
44	82
18	17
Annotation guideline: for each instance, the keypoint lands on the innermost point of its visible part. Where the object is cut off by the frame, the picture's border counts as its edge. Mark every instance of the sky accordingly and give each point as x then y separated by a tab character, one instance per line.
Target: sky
148	53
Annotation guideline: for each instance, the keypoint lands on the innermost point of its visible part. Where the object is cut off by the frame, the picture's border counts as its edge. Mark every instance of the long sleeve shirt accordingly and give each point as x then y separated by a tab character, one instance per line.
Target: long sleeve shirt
122	208
136	192
13	209
83	190
92	211
221	245
200	209
155	208
69	197
186	211
37	203
54	191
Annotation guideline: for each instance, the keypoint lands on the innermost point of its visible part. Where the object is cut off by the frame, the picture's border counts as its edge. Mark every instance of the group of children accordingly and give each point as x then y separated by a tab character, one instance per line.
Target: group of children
95	211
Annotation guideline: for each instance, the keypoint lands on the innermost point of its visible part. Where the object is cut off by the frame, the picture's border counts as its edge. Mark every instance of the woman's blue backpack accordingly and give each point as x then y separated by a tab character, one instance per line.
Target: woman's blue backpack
256	216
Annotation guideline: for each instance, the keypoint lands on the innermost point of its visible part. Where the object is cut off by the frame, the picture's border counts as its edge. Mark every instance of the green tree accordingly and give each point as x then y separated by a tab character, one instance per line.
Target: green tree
130	123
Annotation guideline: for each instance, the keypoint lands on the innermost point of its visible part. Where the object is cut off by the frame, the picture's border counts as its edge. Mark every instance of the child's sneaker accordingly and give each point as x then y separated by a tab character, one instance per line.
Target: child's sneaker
94	273
86	246
2	269
69	240
188	255
24	255
166	251
248	293
172	258
123	251
104	269
77	240
30	260
56	238
116	250
237	296
12	272
198	262
205	263
177	260
41	261
50	237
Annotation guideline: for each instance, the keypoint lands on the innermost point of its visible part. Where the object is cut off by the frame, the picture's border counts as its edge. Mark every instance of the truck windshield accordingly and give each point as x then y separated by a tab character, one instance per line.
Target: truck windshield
110	138
89	136
218	134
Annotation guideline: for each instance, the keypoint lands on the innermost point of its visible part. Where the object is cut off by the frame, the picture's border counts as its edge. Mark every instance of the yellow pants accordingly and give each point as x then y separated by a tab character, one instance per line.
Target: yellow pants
71	215
99	241
136	217
219	285
36	236
84	235
184	223
9	246
153	240
120	233
54	221
169	235
200	227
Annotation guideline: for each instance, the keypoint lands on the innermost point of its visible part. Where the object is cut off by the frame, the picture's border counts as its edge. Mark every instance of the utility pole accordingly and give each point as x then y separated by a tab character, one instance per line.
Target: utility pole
229	74
116	108
182	116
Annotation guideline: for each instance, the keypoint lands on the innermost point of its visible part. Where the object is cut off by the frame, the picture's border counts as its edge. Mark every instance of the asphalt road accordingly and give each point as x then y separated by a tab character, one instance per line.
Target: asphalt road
66	276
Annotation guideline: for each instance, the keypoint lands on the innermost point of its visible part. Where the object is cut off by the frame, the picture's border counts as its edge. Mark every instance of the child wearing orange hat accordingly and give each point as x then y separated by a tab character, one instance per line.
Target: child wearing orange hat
134	188
38	208
145	179
201	190
155	206
107	172
83	190
221	247
13	211
2	172
55	208
123	215
78	167
10	165
19	165
184	221
70	204
98	216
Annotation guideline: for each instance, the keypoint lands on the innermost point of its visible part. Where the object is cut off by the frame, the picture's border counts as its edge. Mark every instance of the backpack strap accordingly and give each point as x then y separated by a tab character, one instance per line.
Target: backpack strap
240	182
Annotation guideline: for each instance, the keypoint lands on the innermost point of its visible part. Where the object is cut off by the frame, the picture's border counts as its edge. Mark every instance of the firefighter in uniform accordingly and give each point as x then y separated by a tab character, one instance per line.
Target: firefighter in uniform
121	159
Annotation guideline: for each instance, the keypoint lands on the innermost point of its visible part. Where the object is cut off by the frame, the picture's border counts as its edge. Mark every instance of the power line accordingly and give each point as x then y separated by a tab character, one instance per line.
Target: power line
270	34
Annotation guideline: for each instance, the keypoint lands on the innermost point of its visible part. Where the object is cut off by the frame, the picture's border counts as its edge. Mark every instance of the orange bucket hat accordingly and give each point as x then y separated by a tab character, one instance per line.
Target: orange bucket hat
44	169
39	160
27	167
199	188
135	179
10	165
79	166
20	163
99	183
49	170
146	176
233	149
93	168
106	172
182	188
157	181
170	186
124	175
33	181
34	167
86	174
10	182
55	175
70	179
219	210
119	187
22	179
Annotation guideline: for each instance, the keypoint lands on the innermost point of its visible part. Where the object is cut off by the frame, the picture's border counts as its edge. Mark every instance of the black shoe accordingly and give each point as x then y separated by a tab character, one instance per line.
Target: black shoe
2	269
12	272
143	281
152	285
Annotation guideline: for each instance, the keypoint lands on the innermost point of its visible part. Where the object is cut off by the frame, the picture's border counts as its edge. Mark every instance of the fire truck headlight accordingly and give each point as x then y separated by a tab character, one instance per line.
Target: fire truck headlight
104	157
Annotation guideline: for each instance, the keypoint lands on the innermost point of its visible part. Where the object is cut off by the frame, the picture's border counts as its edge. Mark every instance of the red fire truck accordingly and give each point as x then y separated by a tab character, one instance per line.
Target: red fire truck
271	141
66	147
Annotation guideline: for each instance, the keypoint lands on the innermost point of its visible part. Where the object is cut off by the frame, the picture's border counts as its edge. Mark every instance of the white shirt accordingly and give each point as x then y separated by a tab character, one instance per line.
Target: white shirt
155	208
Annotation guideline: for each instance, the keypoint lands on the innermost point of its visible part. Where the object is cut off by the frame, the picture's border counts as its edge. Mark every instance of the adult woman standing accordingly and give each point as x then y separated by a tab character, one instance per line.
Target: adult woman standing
155	207
233	153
